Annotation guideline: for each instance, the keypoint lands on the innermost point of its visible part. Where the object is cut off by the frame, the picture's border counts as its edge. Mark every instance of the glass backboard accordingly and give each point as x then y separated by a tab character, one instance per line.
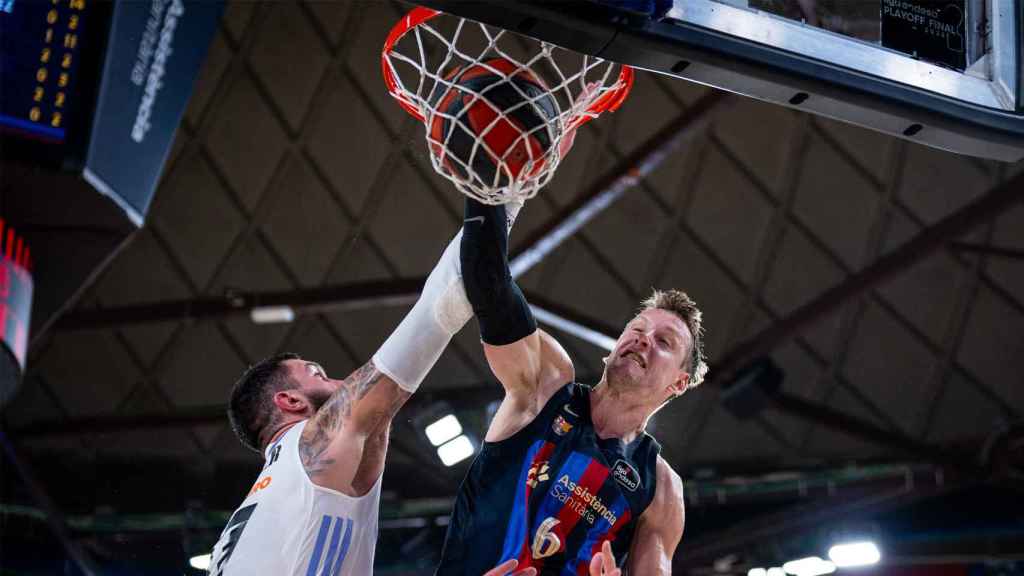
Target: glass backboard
945	73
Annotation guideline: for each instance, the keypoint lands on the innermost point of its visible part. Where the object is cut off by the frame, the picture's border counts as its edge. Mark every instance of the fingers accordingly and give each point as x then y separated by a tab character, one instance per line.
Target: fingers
608	559
595	564
504	568
603	563
531	571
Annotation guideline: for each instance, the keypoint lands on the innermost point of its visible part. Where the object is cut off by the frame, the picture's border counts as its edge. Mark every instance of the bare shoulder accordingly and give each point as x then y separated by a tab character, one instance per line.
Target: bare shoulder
669	482
661	525
669	499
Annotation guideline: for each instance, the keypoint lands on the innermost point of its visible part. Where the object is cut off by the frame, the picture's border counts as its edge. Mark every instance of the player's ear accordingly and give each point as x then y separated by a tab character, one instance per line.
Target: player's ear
680	383
290	401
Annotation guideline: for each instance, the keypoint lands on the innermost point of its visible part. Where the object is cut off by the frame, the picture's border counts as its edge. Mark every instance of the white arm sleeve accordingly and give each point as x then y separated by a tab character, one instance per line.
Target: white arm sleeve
441	311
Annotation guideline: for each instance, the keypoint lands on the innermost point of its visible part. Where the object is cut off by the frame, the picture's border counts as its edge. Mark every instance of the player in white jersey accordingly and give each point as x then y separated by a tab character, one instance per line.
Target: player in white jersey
289	525
313	508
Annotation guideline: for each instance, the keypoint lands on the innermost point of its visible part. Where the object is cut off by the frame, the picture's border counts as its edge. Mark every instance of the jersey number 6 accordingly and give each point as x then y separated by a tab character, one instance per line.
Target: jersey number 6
546	542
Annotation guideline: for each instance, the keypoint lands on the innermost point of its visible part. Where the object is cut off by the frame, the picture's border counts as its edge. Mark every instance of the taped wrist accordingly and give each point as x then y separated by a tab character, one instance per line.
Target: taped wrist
440	312
499	305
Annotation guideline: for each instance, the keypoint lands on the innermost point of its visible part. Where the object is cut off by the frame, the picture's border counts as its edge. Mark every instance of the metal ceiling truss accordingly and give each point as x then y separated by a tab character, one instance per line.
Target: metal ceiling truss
854	314
927	242
969	247
823	415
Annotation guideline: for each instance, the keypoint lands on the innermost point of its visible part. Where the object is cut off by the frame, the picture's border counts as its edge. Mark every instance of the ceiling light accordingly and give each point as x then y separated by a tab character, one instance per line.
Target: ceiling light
776	571
854	554
201	562
443	430
810	566
455	451
272	314
757	572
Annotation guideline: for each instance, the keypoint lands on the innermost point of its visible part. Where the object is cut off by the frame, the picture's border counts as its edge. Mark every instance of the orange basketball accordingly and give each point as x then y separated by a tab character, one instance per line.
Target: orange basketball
492	122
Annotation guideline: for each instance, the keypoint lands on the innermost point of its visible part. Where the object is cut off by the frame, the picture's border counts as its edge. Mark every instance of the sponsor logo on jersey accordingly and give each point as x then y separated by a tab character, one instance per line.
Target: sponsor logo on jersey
625	474
275	453
582	501
261	484
561	426
538	473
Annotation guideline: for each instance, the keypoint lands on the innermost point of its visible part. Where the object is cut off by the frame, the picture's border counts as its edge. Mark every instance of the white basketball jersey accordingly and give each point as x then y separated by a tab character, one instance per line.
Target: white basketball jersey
288	526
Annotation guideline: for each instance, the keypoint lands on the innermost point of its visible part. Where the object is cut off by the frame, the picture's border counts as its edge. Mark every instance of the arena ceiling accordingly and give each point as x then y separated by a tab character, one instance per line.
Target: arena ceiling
293	171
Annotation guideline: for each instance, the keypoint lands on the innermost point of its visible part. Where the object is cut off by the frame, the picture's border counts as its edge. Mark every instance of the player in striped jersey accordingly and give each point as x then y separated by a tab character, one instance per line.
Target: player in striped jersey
565	468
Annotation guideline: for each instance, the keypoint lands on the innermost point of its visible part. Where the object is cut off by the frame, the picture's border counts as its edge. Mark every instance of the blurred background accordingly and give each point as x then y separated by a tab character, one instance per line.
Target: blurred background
860	390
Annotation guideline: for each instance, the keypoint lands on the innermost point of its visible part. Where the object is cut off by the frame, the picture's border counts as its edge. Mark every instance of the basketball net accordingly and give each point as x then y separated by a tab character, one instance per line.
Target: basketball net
419	59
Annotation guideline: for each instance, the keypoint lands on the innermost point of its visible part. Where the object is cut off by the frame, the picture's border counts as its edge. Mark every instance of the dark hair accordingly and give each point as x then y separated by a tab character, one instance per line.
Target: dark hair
250	409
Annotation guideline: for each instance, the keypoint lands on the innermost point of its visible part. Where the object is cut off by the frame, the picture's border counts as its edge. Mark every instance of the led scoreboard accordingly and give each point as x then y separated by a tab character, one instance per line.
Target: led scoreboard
91	95
40	65
87	83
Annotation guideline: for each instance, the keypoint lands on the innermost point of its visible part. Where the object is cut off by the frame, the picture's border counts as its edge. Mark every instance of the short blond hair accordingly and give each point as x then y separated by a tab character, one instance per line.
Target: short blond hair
680	304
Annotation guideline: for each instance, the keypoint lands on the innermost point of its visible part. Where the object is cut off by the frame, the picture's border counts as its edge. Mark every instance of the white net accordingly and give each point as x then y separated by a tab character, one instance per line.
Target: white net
501	110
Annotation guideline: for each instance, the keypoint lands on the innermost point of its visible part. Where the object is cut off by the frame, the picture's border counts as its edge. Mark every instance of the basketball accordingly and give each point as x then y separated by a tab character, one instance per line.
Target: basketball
492	122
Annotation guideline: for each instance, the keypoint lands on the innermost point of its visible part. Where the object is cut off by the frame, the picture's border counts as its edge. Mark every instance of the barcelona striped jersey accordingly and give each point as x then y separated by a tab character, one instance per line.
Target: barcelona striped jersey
550	495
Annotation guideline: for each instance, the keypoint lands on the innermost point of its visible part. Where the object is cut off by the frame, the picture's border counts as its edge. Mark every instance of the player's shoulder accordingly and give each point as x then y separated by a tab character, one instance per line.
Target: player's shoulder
666	512
671	478
669	491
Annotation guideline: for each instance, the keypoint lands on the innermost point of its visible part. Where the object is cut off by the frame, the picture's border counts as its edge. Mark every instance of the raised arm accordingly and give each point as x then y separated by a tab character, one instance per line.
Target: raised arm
661	526
344	445
529	363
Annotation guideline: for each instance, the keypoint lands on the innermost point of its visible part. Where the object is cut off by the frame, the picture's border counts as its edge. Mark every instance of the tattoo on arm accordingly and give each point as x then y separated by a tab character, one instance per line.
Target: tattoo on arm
335	412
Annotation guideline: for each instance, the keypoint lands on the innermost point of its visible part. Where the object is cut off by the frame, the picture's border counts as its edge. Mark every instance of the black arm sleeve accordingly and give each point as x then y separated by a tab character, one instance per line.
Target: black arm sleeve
499	305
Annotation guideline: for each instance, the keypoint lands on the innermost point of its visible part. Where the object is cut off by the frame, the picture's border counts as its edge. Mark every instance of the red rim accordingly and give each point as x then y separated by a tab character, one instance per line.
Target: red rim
608	102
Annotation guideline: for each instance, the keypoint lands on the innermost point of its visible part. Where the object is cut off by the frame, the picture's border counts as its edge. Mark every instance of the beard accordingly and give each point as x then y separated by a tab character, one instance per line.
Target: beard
318	398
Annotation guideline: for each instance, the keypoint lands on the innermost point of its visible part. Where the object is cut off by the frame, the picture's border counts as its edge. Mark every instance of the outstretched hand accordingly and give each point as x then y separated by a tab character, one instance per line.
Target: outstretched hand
505	569
603	563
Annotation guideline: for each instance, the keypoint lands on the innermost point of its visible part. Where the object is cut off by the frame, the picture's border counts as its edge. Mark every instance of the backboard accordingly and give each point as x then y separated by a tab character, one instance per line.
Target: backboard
944	73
